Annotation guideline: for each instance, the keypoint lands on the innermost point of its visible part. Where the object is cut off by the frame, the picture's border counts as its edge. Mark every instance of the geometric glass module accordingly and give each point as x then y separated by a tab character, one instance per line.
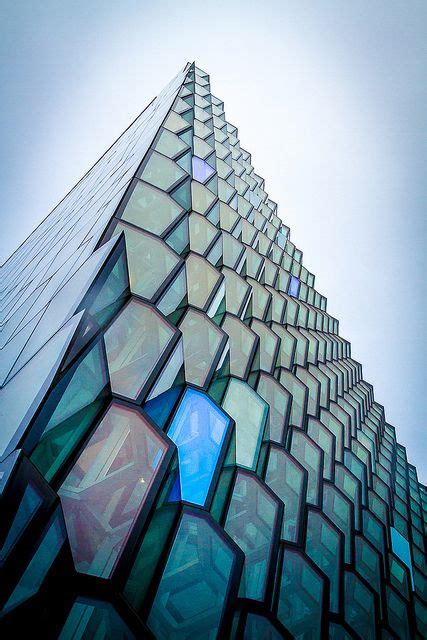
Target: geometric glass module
202	339
191	596
294	286
251	521
201	169
249	412
105	490
198	429
135	342
151	209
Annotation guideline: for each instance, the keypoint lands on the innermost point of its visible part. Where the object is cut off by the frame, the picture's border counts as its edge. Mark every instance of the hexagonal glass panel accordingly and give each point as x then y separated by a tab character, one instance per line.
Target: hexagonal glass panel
198	429
202	339
161	172
251	521
105	490
150	261
151	209
135	342
191	597
249	412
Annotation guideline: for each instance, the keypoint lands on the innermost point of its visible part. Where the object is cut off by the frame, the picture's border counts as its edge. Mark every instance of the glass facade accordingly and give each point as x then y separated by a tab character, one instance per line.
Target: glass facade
187	447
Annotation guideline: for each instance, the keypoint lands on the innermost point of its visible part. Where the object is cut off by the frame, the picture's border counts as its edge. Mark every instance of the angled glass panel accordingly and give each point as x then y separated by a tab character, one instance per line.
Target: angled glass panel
258	627
202	233
300	597
28	507
82	394
251	521
135	342
40	564
198	429
323	547
201	197
202	279
161	172
249	411
202	171
170	144
401	548
202	339
151	209
150	261
286	479
192	594
279	400
309	455
94	619
242	344
105	490
359	609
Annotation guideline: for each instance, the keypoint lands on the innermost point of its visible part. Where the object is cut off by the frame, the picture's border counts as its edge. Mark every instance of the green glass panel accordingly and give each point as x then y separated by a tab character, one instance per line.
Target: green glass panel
338	509
242	344
300	597
149	555
150	261
151	209
182	195
202	339
359	608
257	627
251	520
249	411
202	233
323	547
202	279
135	342
286	479
307	454
161	171
299	395
278	399
179	237
201	197
40	564
94	619
83	393
169	144
192	592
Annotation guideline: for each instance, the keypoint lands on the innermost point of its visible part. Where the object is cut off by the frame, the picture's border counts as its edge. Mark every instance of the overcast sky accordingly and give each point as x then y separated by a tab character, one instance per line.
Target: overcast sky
330	99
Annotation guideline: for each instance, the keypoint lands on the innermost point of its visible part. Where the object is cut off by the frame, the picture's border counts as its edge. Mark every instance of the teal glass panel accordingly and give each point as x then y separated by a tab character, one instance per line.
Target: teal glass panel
198	429
309	455
39	565
260	628
401	548
191	596
149	555
251	521
398	615
323	546
81	399
105	491
300	597
359	608
249	412
286	479
160	408
338	510
28	506
94	619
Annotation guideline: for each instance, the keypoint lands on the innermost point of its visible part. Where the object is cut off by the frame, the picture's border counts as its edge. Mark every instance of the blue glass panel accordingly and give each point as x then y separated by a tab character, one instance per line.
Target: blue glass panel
293	288
40	564
160	408
201	170
198	430
400	546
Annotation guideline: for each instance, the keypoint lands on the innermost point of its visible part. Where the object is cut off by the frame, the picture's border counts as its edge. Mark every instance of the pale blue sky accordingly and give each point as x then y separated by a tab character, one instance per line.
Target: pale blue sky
330	99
